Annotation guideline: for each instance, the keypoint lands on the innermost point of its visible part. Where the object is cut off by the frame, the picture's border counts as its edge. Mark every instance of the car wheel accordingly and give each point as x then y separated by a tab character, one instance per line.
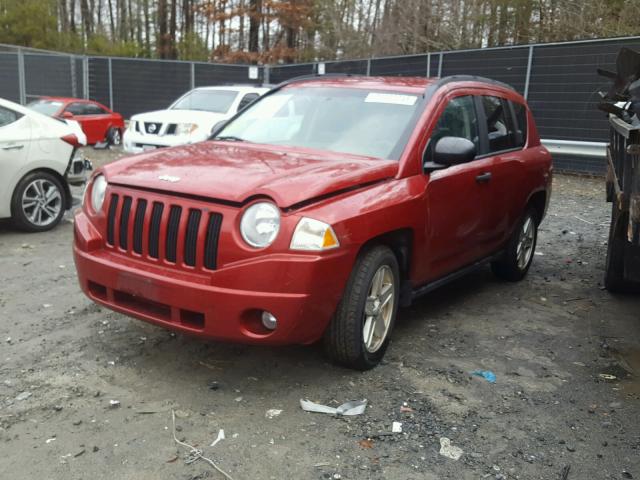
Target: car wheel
359	332
38	202
514	264
614	275
114	136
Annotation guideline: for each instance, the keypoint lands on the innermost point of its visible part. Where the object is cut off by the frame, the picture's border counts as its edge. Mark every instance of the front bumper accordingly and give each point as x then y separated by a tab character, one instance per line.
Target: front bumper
136	142
302	291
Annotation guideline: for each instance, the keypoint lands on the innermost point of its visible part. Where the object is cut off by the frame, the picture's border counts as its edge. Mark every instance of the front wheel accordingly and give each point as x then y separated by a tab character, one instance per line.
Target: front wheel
516	260
38	202
359	332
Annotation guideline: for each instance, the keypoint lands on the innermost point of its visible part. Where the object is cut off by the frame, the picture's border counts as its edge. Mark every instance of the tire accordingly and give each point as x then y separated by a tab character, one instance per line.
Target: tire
114	137
516	260
344	340
614	278
38	202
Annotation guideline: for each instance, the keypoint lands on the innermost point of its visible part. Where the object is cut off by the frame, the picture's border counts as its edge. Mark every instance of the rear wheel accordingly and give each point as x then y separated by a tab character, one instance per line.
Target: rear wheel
359	332
114	136
38	202
614	277
518	255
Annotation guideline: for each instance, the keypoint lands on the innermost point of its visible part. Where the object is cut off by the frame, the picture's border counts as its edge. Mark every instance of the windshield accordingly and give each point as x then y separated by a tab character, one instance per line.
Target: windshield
217	101
343	120
46	107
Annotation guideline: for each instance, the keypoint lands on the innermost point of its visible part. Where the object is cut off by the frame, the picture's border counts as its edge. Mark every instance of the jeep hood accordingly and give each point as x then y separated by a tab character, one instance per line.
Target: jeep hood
235	172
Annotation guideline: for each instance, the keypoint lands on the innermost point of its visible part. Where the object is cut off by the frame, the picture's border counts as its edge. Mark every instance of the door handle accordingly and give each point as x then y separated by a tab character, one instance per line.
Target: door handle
13	147
483	177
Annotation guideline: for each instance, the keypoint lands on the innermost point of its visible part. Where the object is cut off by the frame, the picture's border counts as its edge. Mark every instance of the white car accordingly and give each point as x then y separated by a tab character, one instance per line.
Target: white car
189	119
39	159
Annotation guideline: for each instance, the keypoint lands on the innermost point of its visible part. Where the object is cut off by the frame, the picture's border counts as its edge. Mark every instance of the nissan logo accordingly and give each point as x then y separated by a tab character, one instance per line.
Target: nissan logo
152	128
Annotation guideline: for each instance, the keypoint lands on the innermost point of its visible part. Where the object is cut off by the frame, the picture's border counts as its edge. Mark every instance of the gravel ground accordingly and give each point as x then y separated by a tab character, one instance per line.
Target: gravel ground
565	352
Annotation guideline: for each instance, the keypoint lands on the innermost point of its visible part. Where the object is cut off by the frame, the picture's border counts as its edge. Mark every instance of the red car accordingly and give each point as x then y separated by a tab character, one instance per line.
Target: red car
319	210
98	122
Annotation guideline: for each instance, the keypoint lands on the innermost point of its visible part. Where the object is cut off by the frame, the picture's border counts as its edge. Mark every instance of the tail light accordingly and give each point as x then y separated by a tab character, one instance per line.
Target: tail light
71	139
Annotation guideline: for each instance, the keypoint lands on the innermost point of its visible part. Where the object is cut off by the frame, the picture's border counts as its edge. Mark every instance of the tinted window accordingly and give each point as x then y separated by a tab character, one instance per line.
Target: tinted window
521	121
499	128
76	109
458	120
8	116
93	109
247	99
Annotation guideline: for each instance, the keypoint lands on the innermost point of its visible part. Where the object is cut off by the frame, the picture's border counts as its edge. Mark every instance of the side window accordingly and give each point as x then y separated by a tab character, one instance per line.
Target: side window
499	128
92	109
458	119
520	112
8	116
247	99
76	109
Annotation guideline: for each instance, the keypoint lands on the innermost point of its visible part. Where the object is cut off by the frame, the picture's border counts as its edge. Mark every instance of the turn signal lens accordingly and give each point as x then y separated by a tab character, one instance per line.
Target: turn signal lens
313	235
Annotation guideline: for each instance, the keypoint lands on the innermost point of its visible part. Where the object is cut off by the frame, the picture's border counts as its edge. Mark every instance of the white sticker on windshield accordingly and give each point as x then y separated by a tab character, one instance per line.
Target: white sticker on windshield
392	98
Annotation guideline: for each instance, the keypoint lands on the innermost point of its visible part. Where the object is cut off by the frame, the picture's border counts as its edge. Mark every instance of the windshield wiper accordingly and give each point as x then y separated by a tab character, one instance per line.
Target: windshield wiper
230	138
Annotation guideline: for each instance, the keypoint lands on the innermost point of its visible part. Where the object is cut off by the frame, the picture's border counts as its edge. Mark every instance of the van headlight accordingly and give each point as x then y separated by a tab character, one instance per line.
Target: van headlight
98	189
314	235
260	224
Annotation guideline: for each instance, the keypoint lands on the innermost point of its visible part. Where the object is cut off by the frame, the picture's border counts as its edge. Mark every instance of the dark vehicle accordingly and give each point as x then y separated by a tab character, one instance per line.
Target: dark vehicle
622	102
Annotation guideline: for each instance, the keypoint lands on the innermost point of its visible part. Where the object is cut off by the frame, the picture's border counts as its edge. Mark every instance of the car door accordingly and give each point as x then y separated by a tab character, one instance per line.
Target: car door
15	142
458	199
505	163
97	121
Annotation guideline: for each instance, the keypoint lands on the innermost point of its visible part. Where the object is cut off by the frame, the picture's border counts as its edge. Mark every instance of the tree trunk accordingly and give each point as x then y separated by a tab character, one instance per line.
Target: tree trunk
255	15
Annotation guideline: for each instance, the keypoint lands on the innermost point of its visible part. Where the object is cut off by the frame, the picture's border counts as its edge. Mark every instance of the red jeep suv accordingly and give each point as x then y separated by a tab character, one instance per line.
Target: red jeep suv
319	210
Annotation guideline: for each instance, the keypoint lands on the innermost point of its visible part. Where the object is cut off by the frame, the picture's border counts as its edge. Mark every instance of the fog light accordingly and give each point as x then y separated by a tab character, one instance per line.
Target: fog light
269	321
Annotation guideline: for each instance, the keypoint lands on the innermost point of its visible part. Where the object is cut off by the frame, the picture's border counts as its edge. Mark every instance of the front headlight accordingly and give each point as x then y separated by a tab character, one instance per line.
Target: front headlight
185	128
98	189
133	125
260	224
313	235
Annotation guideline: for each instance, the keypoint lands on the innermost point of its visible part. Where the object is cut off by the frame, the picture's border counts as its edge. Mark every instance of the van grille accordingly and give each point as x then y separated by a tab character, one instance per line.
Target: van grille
179	242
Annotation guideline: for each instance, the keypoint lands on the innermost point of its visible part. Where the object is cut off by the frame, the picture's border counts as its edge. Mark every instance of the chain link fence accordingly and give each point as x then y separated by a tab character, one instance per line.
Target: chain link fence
559	81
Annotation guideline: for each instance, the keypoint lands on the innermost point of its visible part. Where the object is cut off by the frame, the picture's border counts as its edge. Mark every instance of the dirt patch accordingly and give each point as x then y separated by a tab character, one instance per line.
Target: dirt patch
547	339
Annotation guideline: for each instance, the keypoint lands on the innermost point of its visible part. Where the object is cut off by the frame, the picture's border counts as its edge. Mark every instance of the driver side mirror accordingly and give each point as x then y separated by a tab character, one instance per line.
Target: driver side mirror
67	115
450	151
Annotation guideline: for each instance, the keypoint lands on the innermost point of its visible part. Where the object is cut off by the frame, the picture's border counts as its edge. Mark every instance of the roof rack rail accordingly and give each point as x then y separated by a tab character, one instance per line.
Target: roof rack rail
471	78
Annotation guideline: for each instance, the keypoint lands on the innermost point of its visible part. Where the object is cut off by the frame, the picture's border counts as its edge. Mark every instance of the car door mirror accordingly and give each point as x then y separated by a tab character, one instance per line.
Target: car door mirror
67	115
450	151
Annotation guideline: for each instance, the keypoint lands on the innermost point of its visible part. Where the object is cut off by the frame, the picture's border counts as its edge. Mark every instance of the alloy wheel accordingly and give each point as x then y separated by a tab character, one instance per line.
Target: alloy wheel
526	243
41	202
378	310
